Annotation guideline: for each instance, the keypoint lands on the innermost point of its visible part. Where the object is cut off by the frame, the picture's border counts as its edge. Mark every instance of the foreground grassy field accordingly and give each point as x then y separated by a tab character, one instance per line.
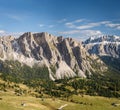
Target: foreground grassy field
9	101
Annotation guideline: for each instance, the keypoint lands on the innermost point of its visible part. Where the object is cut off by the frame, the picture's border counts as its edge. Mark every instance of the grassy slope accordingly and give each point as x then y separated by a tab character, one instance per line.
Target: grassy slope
11	102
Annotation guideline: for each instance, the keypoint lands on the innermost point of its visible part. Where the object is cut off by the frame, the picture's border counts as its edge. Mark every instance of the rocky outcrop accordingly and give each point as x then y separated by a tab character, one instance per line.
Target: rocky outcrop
64	57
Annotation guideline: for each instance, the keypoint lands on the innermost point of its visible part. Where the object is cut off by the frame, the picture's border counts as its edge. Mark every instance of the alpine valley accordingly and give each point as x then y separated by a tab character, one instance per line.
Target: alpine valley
59	70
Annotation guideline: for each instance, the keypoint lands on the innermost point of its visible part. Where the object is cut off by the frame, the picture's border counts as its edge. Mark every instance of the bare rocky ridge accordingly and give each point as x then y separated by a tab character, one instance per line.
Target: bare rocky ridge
64	57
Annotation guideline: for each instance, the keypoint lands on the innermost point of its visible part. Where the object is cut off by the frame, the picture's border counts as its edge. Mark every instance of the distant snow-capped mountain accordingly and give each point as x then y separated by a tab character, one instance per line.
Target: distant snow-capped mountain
104	45
101	39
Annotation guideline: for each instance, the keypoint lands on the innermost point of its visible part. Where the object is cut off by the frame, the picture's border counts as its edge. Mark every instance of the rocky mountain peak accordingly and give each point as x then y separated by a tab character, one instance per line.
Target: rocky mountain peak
64	57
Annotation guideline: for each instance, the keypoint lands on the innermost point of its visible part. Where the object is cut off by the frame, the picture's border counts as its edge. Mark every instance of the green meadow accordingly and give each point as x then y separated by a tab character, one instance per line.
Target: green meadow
9	101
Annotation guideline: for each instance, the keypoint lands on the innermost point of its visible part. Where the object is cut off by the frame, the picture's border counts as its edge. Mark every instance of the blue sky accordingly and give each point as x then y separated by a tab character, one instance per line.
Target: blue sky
74	18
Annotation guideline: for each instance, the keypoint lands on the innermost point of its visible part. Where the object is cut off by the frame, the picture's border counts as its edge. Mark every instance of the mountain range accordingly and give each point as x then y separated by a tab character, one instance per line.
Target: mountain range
62	57
104	46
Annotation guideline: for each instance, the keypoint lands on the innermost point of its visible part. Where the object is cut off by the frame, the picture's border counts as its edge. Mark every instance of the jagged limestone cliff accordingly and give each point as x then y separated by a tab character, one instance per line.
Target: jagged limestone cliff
64	57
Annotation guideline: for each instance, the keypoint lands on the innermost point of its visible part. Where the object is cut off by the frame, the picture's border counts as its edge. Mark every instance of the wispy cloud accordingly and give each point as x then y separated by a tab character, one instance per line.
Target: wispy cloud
78	20
70	25
62	20
82	33
73	23
15	34
41	25
2	31
51	26
113	25
69	32
46	26
86	26
14	17
92	32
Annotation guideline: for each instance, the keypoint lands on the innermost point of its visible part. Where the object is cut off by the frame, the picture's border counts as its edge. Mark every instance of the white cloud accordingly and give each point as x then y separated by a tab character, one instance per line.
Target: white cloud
87	26
105	22
14	17
91	32
2	31
51	26
69	32
113	25
118	27
82	32
70	25
41	25
62	20
15	34
46	26
78	20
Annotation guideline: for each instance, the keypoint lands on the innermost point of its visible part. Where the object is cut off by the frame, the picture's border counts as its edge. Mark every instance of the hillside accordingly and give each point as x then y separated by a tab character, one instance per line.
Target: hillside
13	100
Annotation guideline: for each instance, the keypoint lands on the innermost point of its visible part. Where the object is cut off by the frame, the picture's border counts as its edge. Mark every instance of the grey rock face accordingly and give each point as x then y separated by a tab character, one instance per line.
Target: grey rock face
66	56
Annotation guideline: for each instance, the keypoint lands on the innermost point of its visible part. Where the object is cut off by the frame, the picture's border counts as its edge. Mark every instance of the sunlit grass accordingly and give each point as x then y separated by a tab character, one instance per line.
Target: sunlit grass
12	102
